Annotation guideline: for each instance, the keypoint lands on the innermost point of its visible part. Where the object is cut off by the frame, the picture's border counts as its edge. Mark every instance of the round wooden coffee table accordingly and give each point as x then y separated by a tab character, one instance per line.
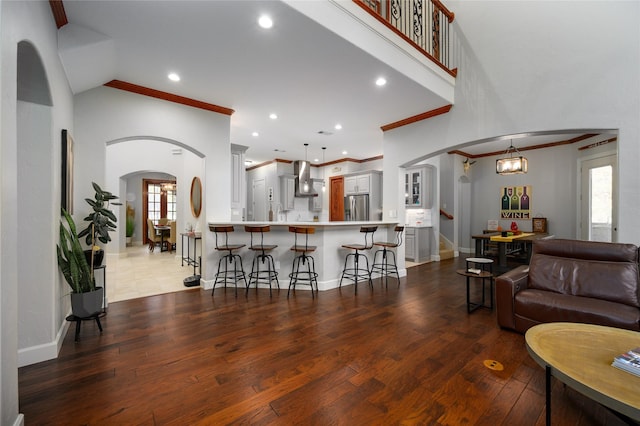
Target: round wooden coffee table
580	355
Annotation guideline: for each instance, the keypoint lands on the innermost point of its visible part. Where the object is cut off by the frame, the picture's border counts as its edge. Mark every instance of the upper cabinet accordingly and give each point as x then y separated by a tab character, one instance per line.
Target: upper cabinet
315	203
287	192
238	182
359	184
417	182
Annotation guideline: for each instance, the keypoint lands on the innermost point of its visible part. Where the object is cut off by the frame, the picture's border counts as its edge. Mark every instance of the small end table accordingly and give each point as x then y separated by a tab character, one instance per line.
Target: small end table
479	267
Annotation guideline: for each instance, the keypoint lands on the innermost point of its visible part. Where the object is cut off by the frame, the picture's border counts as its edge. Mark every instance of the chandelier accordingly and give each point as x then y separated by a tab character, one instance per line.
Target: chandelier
512	162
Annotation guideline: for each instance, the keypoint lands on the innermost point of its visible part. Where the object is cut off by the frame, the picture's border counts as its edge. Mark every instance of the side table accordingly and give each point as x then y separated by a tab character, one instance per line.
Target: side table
478	267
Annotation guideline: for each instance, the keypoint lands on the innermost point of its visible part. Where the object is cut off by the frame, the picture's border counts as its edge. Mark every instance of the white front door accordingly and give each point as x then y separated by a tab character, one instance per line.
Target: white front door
598	199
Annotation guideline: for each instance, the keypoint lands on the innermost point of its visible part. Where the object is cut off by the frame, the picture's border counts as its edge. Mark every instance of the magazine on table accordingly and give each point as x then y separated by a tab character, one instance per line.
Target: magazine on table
629	361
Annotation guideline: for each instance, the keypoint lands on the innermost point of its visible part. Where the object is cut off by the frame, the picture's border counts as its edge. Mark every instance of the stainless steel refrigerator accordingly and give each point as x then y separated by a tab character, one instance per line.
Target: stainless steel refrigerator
356	207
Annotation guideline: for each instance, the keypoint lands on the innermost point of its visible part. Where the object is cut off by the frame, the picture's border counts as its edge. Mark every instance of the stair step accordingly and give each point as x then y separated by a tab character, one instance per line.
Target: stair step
446	254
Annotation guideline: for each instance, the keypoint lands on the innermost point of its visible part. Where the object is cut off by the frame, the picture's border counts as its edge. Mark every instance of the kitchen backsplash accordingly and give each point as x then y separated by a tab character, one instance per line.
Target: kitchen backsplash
418	217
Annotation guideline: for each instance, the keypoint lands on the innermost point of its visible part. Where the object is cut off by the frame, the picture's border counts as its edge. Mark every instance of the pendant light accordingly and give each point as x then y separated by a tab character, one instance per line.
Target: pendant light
324	186
305	185
510	164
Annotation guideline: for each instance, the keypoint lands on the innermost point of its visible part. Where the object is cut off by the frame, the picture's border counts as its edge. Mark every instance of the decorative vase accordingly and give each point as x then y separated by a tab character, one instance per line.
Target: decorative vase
85	305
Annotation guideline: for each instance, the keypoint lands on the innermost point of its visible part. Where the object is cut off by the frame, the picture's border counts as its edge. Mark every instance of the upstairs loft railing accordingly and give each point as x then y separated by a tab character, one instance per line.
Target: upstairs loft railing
422	23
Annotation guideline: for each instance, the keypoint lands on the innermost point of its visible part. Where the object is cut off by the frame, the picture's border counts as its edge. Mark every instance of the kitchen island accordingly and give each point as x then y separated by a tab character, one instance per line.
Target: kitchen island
328	238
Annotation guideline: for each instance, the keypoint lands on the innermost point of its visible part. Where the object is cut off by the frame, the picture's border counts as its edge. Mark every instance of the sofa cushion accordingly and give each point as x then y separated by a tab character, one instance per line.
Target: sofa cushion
607	280
544	306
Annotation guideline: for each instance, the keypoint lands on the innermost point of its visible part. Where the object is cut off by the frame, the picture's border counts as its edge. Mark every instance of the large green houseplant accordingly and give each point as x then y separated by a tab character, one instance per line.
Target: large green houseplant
86	298
100	222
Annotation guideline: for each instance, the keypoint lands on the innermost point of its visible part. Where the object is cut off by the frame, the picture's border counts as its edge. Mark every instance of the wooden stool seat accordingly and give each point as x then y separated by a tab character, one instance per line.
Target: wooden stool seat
355	273
228	274
386	265
263	257
298	271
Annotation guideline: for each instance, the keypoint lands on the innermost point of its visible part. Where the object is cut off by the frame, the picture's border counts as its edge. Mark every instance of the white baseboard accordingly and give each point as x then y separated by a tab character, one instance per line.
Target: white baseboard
44	352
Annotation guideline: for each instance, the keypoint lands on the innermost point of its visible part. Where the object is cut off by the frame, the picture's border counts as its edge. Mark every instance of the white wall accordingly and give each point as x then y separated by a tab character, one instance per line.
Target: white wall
30	21
156	159
104	115
535	66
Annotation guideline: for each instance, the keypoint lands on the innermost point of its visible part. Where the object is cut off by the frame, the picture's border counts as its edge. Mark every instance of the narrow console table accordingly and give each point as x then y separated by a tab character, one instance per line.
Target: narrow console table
193	280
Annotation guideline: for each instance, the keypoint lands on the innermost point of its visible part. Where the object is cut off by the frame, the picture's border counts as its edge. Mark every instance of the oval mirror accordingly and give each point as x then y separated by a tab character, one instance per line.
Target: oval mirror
196	196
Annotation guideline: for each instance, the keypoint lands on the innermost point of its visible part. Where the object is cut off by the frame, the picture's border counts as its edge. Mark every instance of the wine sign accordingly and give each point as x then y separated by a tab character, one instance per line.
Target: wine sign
515	202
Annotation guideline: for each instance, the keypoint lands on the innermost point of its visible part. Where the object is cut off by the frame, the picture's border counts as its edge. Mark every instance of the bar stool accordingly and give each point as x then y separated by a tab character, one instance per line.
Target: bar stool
308	276
262	255
227	275
356	272
382	265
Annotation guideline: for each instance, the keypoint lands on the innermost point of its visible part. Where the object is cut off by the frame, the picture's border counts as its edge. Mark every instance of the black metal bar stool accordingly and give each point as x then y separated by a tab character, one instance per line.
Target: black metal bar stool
308	276
356	272
387	264
228	274
262	256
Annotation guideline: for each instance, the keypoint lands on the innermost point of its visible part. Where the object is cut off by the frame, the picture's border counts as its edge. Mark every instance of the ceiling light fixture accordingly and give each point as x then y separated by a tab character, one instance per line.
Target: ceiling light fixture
173	76
381	81
344	152
324	185
265	22
512	163
338	126
305	186
273	116
255	134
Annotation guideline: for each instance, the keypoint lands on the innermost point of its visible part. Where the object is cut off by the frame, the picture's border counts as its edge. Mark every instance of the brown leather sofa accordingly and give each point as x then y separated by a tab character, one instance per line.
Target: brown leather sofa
572	281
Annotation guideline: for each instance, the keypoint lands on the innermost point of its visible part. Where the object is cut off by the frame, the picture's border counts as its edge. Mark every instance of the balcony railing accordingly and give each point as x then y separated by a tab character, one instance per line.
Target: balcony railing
422	23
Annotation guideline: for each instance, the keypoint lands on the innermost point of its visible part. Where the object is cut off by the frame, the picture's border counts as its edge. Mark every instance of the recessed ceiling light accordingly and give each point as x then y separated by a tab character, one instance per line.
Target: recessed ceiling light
265	22
338	126
273	116
344	152
316	160
381	81
173	76
255	134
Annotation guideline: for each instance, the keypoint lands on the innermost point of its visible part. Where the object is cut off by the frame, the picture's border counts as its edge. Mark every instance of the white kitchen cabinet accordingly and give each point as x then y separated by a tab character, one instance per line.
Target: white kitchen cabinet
287	191
417	247
315	203
359	184
417	187
238	182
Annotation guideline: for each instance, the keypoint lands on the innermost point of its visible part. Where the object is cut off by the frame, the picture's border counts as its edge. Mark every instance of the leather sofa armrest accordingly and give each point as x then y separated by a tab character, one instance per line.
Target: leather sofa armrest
507	285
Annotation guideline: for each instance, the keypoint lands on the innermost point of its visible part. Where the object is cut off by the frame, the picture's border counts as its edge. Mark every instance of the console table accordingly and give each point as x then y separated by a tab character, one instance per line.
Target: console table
195	260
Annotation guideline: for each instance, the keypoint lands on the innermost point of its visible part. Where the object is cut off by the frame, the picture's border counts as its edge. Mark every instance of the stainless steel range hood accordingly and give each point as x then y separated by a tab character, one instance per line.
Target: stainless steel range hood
304	186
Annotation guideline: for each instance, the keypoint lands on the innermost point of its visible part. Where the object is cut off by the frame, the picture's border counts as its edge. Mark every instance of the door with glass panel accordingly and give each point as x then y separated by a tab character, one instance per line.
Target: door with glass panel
598	199
159	198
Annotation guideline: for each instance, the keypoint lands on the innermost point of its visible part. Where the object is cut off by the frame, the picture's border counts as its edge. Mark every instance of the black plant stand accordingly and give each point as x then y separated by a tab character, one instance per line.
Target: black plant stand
78	321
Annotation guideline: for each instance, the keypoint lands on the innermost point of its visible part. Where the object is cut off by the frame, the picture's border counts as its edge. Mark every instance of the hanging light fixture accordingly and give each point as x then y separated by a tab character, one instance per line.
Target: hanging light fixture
305	185
512	163
324	186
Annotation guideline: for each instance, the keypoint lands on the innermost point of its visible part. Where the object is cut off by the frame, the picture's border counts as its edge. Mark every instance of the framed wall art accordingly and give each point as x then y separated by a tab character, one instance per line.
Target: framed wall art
515	202
67	172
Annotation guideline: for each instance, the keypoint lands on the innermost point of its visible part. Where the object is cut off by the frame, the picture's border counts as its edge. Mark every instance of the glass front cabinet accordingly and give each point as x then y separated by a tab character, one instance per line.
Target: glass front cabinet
413	188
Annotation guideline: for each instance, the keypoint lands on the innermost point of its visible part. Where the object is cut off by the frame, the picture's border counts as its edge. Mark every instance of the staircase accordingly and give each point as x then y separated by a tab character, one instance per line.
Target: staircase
445	251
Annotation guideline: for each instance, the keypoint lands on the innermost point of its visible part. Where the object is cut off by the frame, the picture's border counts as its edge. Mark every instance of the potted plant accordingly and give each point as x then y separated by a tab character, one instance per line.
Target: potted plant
86	298
131	223
100	222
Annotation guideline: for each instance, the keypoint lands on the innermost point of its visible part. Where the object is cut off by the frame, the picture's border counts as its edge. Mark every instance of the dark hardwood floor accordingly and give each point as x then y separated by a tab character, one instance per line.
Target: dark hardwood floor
398	355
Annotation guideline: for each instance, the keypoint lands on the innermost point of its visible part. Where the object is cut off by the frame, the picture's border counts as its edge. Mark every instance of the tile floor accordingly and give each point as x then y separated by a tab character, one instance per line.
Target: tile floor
141	273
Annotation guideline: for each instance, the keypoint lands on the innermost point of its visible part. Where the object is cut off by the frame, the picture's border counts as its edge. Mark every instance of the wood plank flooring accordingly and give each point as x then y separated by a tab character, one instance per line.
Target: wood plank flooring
407	354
